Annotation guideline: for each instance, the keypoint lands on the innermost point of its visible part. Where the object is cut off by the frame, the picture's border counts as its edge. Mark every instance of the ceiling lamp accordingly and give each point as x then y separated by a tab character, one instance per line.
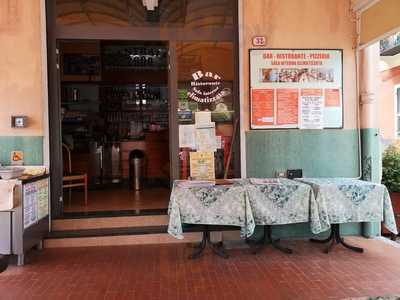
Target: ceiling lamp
150	4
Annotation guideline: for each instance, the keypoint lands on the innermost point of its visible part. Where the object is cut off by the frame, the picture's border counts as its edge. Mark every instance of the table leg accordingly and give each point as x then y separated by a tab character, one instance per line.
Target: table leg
217	248
335	238
331	237
266	240
199	247
354	248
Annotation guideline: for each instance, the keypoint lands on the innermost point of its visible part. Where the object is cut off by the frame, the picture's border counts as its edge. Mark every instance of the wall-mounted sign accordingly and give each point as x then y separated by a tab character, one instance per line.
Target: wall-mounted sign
206	87
18	121
36	201
259	41
296	88
117	57
17	158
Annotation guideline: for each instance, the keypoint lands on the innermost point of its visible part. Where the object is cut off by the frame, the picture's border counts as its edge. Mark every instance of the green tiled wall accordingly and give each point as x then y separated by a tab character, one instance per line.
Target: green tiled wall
320	153
32	146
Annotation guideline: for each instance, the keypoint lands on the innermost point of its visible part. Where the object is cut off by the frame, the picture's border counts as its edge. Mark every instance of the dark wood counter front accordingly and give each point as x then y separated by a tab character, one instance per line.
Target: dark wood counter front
156	149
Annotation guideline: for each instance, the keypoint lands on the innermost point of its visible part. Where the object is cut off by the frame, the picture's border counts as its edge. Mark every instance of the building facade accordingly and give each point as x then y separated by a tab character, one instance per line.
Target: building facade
27	83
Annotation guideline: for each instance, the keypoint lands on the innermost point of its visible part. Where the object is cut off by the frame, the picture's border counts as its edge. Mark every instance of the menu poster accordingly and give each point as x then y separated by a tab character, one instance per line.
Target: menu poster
43	198
30	205
202	165
206	139
277	79
187	136
218	142
332	98
262	108
36	201
311	109
287	106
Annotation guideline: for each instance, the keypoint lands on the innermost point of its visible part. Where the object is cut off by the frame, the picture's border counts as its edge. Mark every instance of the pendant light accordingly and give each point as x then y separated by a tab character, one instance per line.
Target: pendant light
150	4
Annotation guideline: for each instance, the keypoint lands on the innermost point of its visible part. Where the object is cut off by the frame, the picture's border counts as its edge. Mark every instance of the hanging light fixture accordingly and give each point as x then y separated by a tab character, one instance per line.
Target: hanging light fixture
150	4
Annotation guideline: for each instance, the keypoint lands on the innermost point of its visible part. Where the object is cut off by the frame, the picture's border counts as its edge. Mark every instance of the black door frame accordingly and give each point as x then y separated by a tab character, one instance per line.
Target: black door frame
56	165
169	35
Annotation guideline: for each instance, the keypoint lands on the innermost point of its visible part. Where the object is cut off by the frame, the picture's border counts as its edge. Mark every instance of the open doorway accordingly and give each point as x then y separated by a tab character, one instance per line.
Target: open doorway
142	61
114	124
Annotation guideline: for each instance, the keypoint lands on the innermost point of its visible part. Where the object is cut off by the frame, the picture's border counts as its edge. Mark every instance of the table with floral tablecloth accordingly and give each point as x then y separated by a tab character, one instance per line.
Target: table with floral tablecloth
210	205
342	200
279	201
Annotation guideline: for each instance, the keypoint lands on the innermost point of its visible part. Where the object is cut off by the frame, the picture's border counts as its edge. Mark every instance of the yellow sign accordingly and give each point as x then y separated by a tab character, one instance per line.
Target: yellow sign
17	158
202	165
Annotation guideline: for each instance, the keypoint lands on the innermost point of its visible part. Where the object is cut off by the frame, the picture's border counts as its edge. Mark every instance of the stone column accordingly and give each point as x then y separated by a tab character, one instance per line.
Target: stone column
369	119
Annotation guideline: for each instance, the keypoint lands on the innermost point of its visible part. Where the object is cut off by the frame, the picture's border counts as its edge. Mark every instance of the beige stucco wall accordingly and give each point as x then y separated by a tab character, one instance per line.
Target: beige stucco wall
21	91
285	23
389	80
379	20
303	24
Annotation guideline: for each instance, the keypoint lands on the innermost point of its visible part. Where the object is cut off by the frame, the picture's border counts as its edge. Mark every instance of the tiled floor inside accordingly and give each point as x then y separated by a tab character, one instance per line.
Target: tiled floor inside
116	199
164	272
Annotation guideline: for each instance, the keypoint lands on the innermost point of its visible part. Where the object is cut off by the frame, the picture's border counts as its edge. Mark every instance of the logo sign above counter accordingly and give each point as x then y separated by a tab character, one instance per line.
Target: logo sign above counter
125	57
206	87
296	88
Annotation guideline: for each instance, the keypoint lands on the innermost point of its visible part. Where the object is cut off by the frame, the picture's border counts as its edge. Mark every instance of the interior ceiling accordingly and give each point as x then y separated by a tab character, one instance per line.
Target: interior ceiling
188	13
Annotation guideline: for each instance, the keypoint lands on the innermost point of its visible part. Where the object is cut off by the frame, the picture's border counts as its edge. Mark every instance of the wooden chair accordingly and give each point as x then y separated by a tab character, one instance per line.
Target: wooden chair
72	180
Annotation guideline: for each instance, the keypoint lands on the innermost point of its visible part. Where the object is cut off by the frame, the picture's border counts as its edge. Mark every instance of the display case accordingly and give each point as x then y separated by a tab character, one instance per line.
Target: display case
25	226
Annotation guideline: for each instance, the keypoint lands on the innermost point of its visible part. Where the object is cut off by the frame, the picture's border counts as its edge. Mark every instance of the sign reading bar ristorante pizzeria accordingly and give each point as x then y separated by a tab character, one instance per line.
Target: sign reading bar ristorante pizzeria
206	87
296	88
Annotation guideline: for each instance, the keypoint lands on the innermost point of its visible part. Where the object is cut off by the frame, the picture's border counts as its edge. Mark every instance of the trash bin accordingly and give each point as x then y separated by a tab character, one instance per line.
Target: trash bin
136	163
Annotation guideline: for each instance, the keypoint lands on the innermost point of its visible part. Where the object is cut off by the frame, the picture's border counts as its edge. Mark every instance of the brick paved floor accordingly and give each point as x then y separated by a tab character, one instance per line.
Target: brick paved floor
163	272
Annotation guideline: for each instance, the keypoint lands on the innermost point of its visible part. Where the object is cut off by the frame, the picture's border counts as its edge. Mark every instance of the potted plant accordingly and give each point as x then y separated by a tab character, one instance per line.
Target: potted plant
391	178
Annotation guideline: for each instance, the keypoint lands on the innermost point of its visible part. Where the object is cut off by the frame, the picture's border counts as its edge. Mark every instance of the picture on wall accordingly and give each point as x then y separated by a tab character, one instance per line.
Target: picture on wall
296	88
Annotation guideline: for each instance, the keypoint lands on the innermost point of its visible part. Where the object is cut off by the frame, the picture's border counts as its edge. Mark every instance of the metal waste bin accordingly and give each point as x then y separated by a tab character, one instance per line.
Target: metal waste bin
136	163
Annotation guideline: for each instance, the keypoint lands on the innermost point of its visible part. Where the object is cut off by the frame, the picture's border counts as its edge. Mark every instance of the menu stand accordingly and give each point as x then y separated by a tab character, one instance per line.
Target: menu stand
217	248
266	240
335	238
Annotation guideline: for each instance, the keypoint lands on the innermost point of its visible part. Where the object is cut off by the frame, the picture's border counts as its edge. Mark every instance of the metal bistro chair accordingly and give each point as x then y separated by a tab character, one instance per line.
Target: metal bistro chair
72	180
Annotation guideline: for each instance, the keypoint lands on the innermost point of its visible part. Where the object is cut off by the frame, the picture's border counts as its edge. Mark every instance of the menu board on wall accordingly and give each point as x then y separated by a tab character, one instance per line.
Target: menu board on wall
295	88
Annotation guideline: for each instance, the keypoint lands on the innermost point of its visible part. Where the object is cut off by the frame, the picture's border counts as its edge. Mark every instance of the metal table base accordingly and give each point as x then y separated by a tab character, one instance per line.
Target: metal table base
216	248
268	240
335	238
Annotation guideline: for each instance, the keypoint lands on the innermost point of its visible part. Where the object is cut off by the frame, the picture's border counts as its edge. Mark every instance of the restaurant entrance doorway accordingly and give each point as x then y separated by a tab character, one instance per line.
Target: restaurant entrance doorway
114	124
128	79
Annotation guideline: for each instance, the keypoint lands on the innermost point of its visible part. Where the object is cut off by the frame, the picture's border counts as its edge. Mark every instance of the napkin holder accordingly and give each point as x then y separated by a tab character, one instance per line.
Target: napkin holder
295	173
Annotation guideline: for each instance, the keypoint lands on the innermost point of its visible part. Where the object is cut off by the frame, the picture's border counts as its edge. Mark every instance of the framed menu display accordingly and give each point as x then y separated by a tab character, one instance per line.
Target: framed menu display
202	165
296	88
36	201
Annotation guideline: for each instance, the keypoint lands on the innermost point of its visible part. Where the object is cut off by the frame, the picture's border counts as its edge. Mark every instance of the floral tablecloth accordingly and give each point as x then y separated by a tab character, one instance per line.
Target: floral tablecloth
210	205
341	200
279	201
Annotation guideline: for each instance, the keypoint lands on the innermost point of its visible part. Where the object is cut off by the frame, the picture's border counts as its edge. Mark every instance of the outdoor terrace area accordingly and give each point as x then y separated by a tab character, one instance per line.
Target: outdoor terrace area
164	272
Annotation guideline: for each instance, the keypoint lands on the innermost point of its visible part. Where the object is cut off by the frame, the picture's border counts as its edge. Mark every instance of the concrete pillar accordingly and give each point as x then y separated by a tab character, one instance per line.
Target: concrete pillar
369	119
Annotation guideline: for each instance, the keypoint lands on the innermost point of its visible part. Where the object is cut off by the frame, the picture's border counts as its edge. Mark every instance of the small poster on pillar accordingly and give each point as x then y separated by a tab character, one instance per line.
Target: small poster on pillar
280	82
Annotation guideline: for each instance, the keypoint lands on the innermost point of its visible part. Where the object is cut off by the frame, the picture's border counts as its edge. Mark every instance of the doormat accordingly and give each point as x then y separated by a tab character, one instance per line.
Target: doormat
375	298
